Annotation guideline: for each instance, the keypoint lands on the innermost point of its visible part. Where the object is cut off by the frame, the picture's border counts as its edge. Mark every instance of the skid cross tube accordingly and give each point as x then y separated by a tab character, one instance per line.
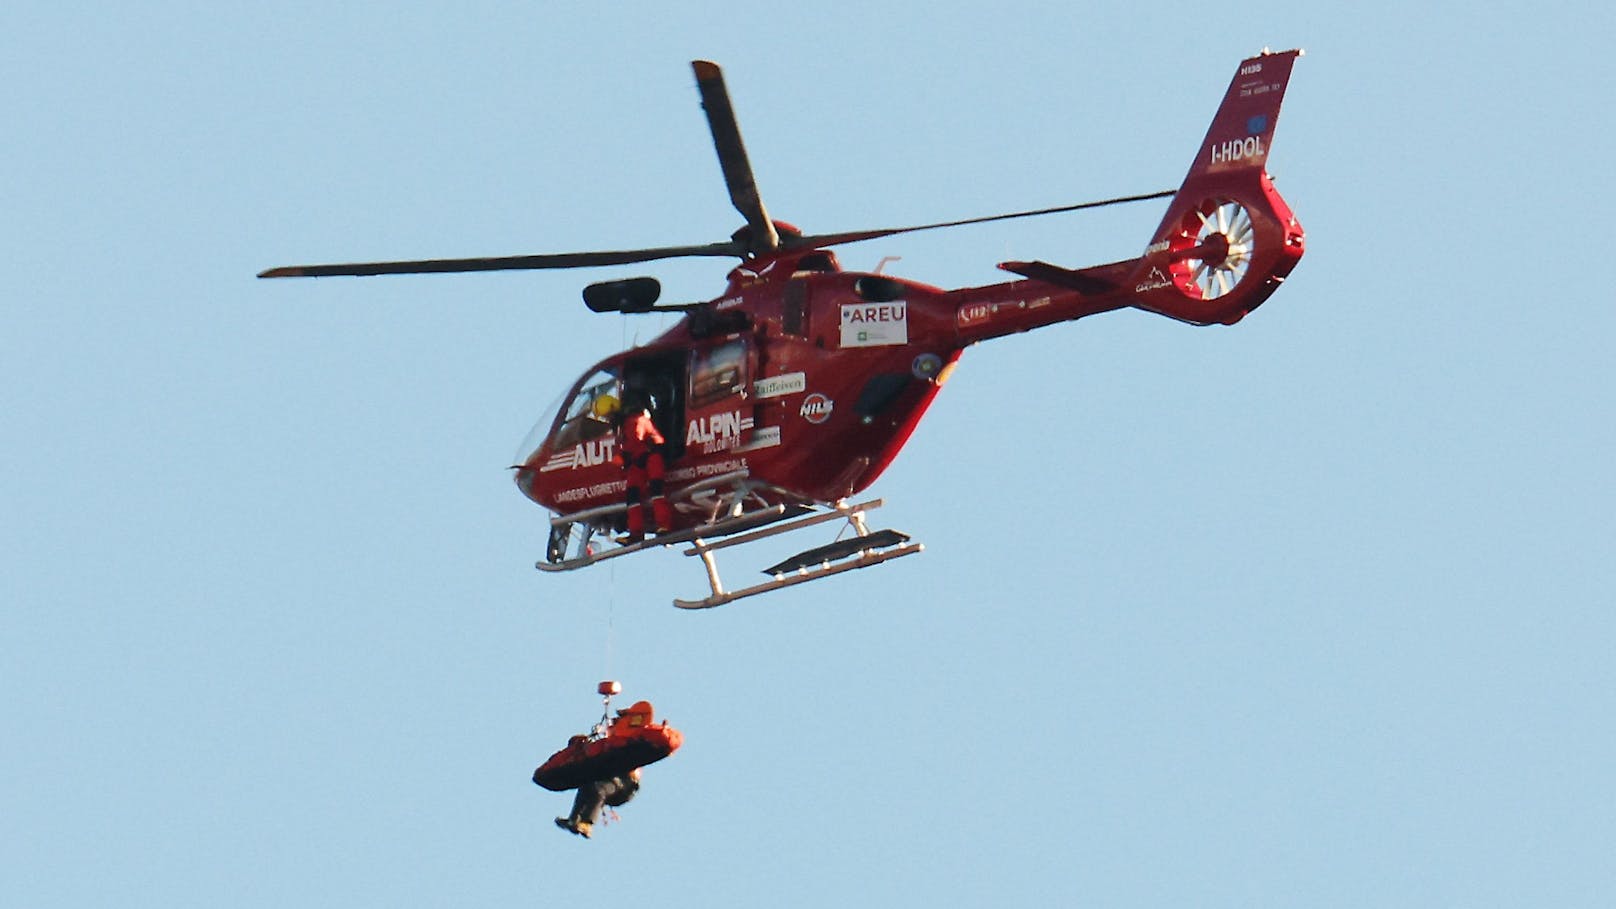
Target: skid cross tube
726	526
593	521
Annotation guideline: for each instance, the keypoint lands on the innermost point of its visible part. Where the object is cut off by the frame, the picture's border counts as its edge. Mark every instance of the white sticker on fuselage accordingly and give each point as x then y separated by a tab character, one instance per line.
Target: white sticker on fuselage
875	324
778	386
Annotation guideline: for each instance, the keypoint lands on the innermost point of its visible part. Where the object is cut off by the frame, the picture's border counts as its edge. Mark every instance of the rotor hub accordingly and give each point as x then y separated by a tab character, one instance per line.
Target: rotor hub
1215	250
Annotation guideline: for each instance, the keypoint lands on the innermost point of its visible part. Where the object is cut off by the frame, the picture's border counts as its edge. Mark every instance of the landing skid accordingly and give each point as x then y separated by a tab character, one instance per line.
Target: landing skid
725	510
725	527
731	522
861	550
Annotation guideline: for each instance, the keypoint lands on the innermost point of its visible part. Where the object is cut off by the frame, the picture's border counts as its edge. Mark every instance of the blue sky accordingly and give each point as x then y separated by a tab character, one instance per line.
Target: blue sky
1314	610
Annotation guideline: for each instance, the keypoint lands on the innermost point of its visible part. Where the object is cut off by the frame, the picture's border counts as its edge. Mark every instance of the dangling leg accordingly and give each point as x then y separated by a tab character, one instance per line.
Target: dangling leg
662	512
636	512
585	809
636	500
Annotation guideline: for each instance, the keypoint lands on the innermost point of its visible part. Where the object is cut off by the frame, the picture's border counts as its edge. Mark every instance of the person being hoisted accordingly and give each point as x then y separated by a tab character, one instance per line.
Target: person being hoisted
639	446
595	795
604	766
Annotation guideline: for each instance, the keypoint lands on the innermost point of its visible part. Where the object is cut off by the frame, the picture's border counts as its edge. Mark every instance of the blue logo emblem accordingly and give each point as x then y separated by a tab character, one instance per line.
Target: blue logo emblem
1257	125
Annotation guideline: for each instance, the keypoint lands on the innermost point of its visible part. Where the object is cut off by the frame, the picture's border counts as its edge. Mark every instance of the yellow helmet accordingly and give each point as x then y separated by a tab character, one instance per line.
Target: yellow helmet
606	405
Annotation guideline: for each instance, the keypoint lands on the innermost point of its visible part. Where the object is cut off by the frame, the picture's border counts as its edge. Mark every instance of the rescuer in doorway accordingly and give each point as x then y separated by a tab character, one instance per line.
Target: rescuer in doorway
639	445
593	796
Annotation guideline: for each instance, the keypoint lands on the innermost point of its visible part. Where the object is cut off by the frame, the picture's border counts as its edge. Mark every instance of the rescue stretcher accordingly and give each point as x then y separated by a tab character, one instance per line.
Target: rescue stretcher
631	741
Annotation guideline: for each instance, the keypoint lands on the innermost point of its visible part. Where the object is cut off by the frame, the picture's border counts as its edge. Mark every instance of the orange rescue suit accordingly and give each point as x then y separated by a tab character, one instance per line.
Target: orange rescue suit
641	449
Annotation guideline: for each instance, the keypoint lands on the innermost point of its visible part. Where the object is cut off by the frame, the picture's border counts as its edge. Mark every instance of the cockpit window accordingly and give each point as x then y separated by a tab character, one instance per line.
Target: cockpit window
579	422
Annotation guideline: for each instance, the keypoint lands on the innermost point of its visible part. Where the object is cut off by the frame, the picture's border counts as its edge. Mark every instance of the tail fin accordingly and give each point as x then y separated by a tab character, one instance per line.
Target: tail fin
1228	240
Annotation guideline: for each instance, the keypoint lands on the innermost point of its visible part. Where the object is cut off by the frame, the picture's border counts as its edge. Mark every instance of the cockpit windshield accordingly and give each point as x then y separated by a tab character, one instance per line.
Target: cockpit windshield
577	421
580	422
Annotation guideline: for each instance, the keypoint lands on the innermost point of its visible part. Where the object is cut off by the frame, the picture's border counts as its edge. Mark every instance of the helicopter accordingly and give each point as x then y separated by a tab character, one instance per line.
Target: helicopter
790	392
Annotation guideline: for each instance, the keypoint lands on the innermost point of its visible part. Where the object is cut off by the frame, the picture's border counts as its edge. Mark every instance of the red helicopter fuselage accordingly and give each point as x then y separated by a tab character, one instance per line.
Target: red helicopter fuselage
801	383
810	379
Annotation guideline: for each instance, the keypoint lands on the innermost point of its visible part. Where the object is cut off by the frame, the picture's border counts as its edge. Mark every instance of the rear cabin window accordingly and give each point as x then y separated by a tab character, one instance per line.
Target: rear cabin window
717	373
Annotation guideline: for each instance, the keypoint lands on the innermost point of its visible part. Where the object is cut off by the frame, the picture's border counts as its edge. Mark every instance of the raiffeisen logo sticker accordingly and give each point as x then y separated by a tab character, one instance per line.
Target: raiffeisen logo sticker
778	386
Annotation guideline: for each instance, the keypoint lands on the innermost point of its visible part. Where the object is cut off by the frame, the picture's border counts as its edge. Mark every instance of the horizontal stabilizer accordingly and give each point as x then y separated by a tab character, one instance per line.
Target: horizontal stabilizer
1080	281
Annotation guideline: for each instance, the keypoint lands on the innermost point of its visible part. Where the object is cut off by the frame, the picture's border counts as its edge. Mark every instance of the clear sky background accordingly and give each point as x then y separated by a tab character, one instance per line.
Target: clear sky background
1314	610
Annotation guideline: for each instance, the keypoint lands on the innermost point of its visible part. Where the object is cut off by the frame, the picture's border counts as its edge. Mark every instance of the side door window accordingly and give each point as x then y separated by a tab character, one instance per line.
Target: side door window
718	416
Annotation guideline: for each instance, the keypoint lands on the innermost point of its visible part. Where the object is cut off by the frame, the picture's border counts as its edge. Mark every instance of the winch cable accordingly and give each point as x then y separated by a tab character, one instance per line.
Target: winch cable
611	619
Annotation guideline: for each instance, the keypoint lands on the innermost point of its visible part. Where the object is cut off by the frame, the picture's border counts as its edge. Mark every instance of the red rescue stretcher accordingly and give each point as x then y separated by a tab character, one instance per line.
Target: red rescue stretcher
632	740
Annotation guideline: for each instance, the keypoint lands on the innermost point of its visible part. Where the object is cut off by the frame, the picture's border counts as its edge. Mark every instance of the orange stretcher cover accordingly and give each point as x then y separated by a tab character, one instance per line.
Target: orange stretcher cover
631	741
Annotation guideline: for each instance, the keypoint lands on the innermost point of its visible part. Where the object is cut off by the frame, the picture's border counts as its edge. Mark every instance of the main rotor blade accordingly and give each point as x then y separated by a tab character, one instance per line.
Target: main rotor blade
729	248
726	249
823	240
743	191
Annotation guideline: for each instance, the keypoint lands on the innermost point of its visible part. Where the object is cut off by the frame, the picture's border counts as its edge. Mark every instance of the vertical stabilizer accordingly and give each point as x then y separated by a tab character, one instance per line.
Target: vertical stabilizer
1228	239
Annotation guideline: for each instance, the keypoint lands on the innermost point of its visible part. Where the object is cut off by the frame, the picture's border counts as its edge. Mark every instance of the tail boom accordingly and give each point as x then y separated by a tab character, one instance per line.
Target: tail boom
1226	243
